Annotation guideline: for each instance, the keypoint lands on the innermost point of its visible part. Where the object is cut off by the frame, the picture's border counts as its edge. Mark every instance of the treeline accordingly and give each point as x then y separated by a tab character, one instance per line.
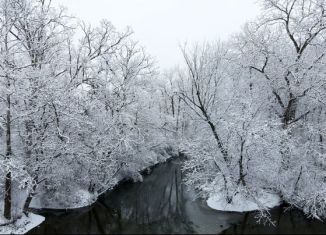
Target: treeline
78	108
82	106
255	108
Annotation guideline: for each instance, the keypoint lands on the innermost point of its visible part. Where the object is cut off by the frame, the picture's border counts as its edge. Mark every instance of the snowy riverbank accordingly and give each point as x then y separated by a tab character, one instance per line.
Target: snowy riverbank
81	197
243	203
22	225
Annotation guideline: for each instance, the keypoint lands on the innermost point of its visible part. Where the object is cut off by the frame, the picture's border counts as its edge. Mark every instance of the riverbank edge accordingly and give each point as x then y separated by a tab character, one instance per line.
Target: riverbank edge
22	225
144	172
34	212
242	203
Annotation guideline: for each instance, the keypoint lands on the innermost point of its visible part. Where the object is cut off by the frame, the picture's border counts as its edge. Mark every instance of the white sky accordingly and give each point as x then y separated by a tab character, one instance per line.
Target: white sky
161	25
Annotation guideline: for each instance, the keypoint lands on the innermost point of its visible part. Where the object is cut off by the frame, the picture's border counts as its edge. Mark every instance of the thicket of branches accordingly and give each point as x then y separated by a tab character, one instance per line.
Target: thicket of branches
79	103
256	107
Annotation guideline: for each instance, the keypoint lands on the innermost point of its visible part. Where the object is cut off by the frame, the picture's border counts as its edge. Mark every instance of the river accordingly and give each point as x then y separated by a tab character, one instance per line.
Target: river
162	204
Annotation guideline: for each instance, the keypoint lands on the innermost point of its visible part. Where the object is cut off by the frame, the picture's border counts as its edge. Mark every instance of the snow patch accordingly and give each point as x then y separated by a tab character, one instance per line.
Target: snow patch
242	203
22	225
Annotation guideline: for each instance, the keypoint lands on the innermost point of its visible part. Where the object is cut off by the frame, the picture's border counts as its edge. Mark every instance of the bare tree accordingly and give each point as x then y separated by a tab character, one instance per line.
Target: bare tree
296	26
199	89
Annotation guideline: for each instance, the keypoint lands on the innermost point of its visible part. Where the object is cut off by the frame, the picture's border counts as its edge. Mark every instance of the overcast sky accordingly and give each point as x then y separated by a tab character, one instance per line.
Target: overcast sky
161	25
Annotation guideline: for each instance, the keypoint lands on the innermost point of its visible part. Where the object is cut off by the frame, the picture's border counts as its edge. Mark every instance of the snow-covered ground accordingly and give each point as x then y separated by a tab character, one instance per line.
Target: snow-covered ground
22	225
242	203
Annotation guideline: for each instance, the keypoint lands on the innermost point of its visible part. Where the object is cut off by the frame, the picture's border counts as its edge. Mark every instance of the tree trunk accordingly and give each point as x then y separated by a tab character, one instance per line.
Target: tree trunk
241	170
7	199
219	142
289	112
178	116
213	128
7	206
29	140
172	106
30	197
229	198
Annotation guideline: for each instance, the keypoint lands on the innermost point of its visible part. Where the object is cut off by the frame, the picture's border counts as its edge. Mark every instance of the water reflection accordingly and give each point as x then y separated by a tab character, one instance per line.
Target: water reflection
160	204
286	222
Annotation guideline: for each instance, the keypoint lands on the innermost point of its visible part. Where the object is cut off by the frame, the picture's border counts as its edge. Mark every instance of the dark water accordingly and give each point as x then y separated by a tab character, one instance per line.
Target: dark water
161	204
285	222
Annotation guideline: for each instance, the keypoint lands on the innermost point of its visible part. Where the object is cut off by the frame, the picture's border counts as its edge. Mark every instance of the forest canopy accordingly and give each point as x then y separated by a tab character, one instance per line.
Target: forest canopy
83	107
